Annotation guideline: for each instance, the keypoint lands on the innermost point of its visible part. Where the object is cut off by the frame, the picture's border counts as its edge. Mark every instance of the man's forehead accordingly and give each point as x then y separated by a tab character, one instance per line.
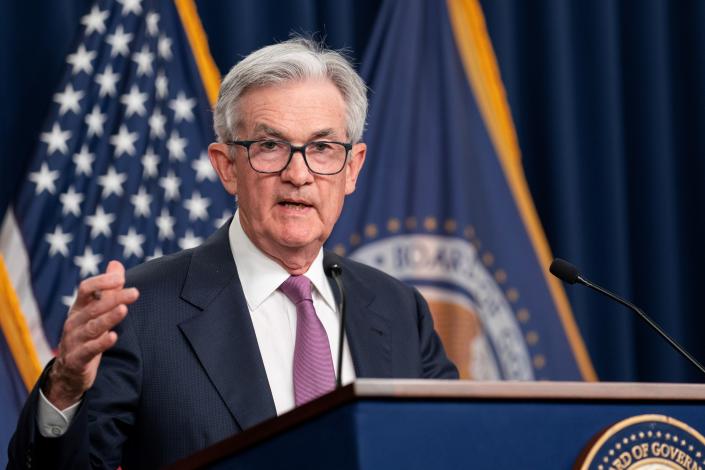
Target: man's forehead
314	106
319	88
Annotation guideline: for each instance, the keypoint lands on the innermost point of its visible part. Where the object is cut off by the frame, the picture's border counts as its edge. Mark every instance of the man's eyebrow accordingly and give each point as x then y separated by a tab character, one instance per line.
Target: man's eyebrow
323	133
270	131
264	129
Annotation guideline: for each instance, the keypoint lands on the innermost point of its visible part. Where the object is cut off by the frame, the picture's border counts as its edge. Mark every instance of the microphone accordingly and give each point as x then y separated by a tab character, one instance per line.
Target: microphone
566	272
334	270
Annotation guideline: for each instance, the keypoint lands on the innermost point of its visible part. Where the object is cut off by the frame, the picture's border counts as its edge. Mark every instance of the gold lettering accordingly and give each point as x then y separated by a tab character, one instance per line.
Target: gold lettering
663	448
655	449
673	452
623	461
640	451
680	457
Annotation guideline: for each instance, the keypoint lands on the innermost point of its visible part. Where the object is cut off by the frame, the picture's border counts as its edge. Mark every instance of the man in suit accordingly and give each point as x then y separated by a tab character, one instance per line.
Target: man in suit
241	328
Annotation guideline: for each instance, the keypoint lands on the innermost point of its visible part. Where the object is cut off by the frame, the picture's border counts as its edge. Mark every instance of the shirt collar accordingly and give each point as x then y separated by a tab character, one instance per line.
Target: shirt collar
260	275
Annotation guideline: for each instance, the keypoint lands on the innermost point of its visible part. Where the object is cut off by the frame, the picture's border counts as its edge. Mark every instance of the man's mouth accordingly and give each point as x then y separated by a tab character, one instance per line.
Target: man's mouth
297	205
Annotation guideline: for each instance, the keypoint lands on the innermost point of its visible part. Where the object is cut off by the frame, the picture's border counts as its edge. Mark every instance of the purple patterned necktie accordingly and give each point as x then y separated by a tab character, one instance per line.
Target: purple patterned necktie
313	365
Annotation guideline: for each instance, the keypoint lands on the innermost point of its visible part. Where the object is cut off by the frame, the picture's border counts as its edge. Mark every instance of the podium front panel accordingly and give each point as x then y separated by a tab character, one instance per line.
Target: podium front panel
482	434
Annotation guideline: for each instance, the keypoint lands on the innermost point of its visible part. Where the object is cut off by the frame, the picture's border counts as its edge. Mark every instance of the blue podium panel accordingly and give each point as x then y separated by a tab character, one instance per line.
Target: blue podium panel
423	434
412	424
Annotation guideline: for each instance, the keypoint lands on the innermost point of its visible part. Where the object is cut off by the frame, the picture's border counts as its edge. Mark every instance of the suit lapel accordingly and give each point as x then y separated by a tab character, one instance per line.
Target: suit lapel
222	336
367	331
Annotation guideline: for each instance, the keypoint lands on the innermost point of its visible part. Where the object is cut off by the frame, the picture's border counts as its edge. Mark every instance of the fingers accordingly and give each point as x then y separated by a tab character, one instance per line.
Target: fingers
92	288
98	326
90	349
88	288
109	299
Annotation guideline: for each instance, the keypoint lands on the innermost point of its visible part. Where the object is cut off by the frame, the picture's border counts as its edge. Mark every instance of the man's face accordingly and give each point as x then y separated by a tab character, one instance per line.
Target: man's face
289	215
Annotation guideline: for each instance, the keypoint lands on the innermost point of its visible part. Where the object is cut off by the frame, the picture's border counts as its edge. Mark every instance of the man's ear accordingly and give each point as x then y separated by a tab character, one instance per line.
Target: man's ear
219	155
357	159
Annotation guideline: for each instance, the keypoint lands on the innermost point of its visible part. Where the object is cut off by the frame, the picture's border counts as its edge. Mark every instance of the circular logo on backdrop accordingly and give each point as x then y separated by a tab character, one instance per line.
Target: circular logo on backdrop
470	311
646	442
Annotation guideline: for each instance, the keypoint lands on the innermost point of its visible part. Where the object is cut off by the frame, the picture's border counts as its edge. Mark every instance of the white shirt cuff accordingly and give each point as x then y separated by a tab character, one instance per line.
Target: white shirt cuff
51	421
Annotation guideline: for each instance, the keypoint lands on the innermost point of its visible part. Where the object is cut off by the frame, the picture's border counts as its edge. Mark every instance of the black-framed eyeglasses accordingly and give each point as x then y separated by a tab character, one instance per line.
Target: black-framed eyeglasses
322	157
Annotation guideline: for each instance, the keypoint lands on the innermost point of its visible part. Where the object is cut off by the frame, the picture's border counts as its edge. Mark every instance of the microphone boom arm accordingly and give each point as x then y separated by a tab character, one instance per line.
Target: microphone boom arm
645	317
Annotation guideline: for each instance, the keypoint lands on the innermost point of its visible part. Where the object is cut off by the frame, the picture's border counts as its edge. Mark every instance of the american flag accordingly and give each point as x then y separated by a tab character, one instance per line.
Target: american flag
120	170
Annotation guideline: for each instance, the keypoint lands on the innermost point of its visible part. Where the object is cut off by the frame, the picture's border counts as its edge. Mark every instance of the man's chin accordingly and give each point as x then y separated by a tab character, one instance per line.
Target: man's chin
299	242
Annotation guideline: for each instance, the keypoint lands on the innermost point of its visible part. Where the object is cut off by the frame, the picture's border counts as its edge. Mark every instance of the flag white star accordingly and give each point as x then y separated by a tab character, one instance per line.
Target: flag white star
189	240
203	168
165	224
95	20
176	146
107	81
152	20
131	6
81	60
197	206
171	184
58	242
164	47
150	160
141	200
183	107
44	179
56	139
224	218
134	102
157	121
112	183
144	60
84	161
162	85
68	100
100	222
95	120
88	262
132	243
71	202
124	141
68	300
119	42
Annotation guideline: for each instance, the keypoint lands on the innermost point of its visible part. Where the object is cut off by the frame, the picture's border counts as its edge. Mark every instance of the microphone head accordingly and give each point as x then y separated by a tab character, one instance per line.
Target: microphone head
333	269
564	271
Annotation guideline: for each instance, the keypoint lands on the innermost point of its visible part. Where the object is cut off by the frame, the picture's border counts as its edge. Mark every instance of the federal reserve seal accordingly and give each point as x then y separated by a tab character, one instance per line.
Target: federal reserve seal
646	442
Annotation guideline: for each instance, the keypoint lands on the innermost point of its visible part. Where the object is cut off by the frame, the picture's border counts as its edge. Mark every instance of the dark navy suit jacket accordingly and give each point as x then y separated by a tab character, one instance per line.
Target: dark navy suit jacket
186	371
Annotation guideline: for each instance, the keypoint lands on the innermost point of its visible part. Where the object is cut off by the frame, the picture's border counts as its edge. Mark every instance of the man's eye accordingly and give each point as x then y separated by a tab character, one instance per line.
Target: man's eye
320	146
269	145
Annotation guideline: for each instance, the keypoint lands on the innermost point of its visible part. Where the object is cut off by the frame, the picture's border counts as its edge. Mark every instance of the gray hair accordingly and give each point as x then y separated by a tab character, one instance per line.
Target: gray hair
293	60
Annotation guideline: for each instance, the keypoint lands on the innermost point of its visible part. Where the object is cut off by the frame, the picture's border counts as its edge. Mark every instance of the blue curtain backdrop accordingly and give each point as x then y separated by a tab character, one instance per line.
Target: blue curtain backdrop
608	100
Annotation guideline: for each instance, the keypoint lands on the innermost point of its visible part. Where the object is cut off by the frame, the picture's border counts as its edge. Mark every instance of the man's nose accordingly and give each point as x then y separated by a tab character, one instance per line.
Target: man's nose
297	171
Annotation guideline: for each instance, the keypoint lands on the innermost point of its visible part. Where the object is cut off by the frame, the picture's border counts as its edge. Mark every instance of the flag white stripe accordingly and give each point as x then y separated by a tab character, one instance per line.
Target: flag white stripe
15	254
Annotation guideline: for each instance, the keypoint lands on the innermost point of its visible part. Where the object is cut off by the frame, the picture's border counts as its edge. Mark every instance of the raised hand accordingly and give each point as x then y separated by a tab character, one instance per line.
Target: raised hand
101	303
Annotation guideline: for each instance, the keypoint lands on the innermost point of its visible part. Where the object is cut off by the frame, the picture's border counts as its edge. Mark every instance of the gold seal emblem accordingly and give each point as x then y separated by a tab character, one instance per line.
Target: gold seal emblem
646	442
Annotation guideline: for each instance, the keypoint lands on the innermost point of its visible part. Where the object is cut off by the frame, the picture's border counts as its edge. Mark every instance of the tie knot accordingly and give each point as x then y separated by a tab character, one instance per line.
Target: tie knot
297	288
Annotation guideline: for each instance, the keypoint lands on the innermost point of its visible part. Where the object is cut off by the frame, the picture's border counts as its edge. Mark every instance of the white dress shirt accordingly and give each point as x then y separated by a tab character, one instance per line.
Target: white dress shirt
274	320
274	315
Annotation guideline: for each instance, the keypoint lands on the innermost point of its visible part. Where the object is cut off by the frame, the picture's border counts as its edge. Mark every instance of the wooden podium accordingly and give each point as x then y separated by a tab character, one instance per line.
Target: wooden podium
426	424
